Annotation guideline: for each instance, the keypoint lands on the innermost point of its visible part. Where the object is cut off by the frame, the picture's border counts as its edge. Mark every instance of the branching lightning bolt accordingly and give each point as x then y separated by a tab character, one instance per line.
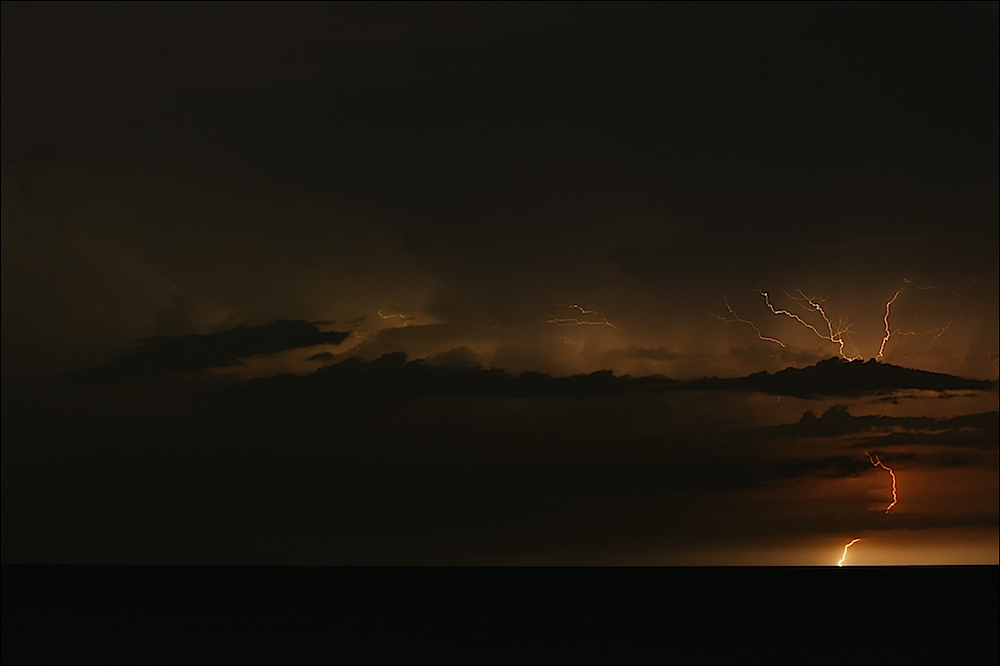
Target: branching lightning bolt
835	336
937	332
889	332
575	321
838	334
741	320
844	556
576	306
927	288
876	462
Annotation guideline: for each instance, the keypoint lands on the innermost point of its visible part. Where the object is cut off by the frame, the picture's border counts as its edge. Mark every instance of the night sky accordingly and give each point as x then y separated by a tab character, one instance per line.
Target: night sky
490	284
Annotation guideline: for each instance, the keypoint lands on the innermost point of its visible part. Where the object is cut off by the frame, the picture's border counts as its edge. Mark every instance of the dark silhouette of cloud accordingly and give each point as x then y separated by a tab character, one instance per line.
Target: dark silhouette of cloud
981	438
457	357
189	353
393	376
978	431
837	377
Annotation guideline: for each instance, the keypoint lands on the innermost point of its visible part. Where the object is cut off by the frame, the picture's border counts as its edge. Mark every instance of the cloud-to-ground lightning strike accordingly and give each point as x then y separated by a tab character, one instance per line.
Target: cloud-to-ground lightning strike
844	556
574	321
739	319
877	462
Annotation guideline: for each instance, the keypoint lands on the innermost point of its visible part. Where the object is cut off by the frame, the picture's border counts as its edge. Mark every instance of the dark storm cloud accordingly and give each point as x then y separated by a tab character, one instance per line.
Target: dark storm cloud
454	114
190	353
418	340
874	432
685	470
977	517
838	421
291	467
636	352
836	377
986	437
393	376
461	357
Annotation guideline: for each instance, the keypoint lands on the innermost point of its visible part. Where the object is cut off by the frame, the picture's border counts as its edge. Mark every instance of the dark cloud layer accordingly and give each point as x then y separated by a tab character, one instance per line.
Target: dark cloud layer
395	461
837	377
837	421
393	376
189	353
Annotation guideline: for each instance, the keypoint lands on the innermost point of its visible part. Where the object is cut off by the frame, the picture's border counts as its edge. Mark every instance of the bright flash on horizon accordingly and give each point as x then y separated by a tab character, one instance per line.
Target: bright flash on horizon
876	462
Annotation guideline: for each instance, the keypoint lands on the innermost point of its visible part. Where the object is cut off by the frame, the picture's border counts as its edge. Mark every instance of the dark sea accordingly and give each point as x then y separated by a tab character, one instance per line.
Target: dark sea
161	614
